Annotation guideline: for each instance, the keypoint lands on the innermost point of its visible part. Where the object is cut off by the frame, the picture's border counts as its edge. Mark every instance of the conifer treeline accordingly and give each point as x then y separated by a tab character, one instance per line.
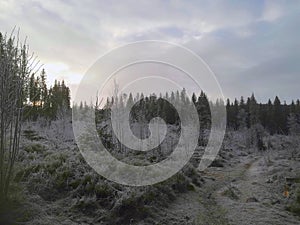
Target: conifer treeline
147	107
274	116
42	101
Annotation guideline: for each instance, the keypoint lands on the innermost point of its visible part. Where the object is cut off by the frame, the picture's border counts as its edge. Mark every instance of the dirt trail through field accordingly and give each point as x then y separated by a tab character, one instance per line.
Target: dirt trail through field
230	195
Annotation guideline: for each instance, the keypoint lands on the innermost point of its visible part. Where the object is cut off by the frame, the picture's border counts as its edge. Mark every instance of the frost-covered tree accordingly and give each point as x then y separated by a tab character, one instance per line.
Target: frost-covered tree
242	119
293	124
14	75
43	88
130	102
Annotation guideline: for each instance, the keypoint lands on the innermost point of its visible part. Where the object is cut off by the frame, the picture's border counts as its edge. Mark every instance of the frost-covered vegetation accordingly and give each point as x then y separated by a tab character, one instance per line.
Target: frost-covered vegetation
52	169
59	187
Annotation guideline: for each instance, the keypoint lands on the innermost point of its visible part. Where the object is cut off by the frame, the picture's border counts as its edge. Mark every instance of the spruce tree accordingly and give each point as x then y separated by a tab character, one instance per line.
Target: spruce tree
194	98
293	124
43	87
130	102
278	116
253	111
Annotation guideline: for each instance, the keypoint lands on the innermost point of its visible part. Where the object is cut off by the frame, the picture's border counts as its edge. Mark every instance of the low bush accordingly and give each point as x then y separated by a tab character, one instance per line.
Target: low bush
38	148
295	207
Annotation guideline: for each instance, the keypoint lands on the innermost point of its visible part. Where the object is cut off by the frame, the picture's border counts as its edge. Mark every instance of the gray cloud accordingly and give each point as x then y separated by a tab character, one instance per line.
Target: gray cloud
252	46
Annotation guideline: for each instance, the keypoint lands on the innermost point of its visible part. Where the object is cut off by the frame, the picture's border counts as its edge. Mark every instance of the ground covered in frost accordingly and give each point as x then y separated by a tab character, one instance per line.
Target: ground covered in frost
54	185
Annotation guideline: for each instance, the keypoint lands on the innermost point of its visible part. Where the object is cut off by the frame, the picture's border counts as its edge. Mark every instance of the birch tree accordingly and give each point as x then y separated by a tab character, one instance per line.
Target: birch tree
14	72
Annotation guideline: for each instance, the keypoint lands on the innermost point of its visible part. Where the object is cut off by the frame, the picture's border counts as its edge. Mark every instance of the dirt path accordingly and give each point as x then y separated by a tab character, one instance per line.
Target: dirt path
251	200
231	195
218	179
201	206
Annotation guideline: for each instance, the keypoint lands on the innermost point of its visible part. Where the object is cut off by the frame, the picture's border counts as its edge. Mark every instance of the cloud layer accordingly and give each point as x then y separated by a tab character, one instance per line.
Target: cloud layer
252	46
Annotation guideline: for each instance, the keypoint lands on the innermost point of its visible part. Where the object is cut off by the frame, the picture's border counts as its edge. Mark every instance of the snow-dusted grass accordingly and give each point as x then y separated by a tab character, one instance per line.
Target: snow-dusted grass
59	187
52	170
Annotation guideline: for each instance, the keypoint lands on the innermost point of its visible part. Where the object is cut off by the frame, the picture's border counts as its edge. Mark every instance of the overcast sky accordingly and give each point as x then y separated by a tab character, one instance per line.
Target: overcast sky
252	46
